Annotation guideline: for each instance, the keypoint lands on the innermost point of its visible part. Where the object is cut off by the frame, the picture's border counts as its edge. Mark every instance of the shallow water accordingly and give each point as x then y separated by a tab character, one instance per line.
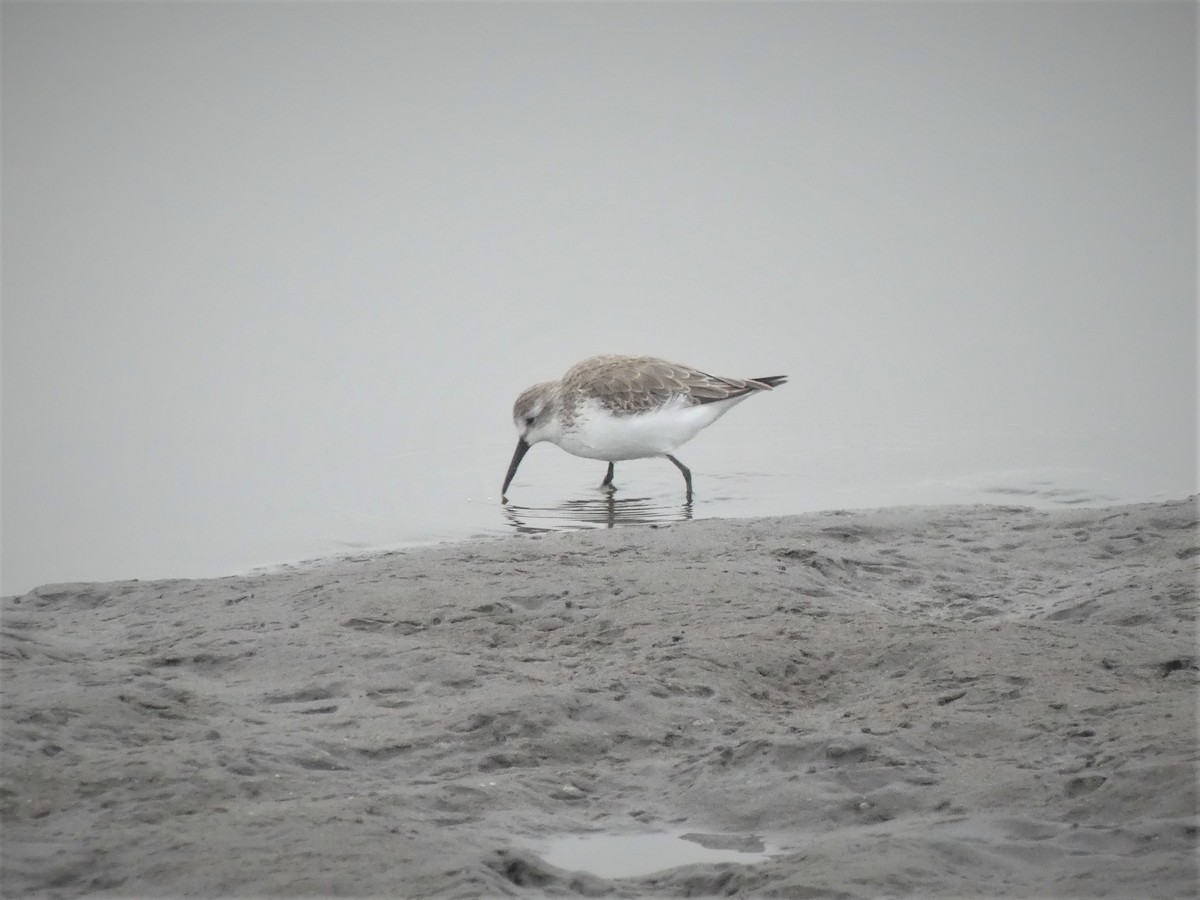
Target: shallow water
632	855
761	460
315	346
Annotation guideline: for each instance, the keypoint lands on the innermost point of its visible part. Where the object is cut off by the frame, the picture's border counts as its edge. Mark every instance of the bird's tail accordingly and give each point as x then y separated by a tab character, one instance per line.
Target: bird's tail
771	380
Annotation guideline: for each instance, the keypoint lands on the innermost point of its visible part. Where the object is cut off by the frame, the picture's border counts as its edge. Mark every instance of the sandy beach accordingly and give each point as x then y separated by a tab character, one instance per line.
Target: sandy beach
931	702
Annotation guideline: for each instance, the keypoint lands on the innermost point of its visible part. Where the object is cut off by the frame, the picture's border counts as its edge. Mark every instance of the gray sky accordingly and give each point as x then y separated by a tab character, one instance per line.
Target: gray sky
277	263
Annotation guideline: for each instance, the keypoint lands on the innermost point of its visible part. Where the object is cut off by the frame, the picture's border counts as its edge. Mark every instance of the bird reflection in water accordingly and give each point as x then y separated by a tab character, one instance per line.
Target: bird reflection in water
606	511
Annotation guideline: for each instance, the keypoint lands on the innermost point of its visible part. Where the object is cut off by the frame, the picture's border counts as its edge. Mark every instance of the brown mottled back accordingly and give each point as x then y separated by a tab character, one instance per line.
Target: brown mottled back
637	384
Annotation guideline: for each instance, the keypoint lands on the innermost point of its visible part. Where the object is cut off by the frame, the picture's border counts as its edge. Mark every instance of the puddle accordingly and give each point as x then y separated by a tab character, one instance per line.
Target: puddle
632	855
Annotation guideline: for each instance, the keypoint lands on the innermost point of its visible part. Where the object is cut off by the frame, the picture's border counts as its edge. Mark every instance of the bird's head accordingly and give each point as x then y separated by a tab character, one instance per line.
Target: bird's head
535	415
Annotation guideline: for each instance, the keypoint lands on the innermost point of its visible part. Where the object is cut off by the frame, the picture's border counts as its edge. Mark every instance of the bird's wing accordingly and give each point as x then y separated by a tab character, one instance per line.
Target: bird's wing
634	384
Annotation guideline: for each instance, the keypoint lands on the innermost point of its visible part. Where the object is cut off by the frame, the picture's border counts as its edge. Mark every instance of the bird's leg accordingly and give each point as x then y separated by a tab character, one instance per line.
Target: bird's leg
687	475
607	482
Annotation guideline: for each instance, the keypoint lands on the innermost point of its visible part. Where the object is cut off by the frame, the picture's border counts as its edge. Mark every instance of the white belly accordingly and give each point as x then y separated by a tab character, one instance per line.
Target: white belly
597	434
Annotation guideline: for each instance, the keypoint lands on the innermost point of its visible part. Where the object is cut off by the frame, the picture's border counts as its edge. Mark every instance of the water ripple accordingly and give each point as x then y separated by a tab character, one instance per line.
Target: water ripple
608	511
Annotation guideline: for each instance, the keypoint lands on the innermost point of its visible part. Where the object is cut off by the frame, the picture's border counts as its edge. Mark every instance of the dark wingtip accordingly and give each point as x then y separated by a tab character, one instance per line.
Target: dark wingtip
772	381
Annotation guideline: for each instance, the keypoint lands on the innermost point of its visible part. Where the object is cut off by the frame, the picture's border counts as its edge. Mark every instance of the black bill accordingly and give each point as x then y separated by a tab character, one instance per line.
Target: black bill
518	455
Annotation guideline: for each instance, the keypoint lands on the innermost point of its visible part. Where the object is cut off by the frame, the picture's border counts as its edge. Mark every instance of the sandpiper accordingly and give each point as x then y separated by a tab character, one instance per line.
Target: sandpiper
626	407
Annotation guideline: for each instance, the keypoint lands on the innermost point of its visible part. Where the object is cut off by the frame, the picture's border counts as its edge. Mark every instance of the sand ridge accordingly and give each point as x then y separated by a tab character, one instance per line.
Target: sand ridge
961	701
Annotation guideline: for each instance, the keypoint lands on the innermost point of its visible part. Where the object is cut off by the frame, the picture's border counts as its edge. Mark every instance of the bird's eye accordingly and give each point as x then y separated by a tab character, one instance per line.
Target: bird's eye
529	420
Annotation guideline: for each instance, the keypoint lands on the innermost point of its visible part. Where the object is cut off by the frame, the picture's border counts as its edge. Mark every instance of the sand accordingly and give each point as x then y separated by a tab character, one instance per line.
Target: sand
960	702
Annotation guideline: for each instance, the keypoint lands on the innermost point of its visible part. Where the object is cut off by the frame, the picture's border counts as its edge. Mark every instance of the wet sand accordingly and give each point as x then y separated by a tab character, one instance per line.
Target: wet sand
957	702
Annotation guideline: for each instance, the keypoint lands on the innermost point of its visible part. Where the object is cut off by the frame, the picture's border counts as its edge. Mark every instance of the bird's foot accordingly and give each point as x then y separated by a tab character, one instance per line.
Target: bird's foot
608	477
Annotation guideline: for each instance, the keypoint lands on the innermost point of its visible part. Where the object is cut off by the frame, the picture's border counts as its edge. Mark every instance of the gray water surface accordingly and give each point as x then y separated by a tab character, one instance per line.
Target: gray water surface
273	274
633	855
